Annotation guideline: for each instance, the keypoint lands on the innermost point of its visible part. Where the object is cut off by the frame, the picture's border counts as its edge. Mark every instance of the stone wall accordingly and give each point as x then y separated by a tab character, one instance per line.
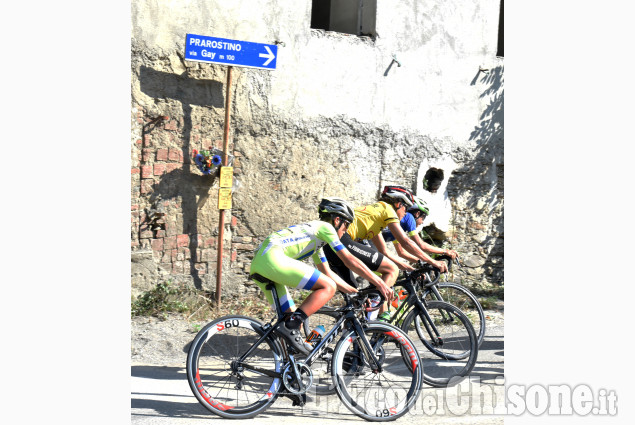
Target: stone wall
297	136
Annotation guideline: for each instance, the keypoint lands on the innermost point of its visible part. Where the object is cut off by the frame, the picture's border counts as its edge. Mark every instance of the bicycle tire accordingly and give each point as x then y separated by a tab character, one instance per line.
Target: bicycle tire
450	360
210	375
465	300
358	387
321	366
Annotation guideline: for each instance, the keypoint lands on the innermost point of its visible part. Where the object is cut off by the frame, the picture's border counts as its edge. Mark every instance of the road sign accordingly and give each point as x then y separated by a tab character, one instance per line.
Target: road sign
230	52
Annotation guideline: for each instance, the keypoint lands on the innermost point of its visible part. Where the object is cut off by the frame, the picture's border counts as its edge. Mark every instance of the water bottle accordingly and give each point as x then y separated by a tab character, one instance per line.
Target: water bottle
316	334
399	297
374	302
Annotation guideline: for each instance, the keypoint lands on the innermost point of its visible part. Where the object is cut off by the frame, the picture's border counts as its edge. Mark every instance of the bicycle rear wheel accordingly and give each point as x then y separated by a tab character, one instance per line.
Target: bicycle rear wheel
380	395
223	387
462	298
449	356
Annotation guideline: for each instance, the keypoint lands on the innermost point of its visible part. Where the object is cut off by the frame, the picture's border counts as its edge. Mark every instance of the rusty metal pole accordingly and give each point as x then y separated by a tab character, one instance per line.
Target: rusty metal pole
221	218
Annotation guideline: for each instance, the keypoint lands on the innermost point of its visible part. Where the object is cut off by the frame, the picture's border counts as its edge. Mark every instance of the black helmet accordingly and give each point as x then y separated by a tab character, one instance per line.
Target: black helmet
398	193
336	206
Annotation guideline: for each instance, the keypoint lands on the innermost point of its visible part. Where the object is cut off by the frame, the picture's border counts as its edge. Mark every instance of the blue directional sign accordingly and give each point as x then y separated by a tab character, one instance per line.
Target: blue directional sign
230	52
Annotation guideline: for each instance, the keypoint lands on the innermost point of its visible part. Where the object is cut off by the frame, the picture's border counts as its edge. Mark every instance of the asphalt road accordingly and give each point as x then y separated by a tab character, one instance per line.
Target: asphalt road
161	395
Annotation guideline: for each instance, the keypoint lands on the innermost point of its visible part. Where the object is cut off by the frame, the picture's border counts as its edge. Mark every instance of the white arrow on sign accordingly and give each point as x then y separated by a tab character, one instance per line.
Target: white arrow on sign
269	55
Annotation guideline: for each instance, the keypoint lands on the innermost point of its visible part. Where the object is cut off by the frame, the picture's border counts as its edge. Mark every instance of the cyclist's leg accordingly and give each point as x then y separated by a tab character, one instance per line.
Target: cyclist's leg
375	261
279	268
323	291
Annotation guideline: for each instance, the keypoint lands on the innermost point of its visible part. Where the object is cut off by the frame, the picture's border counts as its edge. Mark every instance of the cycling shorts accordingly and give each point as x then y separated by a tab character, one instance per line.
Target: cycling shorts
366	254
284	271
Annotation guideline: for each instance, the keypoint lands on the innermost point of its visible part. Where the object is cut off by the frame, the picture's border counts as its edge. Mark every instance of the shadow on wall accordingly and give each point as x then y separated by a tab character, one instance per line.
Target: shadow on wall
182	183
482	177
489	135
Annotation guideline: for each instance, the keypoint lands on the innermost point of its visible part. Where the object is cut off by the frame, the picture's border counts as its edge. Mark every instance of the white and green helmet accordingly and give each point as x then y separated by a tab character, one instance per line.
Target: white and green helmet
420	205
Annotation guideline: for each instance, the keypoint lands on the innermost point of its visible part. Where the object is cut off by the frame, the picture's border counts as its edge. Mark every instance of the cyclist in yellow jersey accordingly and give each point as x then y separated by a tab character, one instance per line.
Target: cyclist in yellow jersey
369	220
368	223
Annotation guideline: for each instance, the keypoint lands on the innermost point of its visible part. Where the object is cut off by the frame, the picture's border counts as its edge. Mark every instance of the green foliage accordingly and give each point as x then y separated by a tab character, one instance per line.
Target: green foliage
196	305
162	299
488	303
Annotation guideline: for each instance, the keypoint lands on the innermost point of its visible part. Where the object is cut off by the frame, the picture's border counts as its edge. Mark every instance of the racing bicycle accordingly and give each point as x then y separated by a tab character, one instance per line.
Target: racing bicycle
237	366
454	294
442	333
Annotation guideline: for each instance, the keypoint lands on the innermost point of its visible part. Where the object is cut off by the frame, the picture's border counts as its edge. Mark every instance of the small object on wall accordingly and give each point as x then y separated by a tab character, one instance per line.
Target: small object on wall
209	161
226	176
224	198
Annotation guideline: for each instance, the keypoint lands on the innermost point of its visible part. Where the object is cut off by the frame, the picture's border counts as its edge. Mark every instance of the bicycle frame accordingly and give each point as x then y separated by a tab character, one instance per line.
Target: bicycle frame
348	318
414	301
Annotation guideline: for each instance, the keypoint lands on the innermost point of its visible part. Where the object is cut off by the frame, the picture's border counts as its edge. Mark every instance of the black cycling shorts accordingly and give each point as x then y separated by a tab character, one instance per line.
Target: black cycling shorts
366	254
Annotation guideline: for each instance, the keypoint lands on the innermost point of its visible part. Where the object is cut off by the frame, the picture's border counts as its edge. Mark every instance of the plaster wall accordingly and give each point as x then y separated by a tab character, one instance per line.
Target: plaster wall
336	118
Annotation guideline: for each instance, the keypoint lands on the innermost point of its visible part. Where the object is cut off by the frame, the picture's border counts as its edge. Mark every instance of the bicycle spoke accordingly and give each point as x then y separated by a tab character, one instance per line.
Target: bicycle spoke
230	391
375	395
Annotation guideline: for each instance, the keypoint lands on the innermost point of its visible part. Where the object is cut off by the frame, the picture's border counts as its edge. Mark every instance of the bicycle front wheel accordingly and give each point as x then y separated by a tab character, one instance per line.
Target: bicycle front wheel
382	394
462	298
446	342
221	384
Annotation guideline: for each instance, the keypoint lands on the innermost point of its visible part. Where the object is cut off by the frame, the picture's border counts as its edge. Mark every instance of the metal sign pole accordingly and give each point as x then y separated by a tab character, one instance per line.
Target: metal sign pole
229	52
221	219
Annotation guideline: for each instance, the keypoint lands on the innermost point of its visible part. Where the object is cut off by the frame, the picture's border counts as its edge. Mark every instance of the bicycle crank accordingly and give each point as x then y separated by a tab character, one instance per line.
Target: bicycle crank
301	385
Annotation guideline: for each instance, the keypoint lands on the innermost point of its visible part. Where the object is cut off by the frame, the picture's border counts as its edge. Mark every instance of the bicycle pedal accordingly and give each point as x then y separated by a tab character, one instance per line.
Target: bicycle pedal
298	399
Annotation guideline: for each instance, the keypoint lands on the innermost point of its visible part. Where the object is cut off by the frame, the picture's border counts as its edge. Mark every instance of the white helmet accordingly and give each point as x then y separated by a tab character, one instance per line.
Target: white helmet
398	193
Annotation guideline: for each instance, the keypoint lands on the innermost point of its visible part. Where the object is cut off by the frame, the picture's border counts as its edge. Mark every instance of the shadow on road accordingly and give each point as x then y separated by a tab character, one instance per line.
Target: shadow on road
158	372
170	409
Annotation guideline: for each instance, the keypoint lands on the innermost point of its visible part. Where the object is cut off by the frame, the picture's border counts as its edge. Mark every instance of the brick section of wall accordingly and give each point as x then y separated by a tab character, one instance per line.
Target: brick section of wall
162	155
175	155
159	169
172	166
182	240
146	171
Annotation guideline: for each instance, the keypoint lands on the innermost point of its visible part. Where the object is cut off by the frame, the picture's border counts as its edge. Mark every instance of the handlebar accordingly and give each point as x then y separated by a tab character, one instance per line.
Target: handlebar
359	299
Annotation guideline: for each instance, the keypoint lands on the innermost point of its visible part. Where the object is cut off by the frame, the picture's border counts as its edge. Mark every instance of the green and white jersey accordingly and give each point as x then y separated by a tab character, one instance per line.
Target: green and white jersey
303	240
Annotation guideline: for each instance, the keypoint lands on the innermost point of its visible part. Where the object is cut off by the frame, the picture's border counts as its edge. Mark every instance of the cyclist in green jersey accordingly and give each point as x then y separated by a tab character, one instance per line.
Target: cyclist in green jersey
279	257
409	223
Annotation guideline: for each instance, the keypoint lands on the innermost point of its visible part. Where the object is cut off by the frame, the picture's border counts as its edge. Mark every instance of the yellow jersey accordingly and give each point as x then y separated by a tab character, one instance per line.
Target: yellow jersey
371	219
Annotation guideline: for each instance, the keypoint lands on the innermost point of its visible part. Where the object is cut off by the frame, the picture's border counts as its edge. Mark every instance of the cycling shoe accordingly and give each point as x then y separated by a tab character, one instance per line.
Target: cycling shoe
294	338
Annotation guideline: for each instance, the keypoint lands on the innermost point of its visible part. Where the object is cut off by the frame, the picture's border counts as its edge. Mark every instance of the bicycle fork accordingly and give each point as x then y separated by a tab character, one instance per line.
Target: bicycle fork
367	349
428	323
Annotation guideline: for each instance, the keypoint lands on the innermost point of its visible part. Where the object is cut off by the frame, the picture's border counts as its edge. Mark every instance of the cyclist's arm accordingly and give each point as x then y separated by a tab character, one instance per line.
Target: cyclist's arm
403	254
413	249
360	268
339	282
380	244
426	247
